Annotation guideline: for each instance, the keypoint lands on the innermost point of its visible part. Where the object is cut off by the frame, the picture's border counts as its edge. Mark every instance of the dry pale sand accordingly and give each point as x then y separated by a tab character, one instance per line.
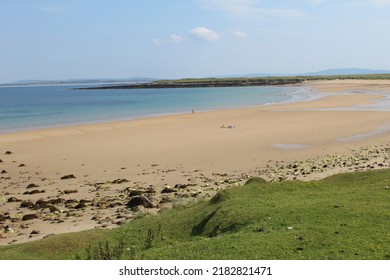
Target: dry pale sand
114	162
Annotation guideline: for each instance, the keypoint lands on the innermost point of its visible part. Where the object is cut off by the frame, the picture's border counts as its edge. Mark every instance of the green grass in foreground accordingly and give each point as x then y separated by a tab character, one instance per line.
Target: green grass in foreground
342	217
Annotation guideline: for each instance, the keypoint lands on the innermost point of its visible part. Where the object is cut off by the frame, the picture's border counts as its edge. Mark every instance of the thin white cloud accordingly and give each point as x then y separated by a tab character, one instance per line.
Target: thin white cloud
251	8
205	34
240	34
175	39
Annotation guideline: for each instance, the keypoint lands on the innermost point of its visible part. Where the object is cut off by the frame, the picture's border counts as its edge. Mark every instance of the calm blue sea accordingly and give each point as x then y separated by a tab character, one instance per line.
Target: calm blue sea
32	107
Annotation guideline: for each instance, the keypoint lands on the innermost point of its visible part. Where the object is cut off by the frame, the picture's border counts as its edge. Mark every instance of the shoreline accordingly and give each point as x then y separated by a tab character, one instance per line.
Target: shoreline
301	94
177	158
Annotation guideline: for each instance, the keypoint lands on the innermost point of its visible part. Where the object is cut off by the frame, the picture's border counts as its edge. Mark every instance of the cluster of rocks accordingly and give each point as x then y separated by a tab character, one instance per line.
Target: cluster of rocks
111	203
107	204
376	157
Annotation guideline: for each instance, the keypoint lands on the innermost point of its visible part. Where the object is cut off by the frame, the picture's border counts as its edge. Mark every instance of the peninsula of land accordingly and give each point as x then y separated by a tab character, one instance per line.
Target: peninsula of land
235	82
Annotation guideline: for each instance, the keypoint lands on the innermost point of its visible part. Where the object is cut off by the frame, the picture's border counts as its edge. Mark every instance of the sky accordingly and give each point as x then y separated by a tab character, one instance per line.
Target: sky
66	39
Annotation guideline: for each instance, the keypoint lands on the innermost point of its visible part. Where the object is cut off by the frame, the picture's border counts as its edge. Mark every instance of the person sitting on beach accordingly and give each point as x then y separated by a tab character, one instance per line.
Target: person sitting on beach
229	126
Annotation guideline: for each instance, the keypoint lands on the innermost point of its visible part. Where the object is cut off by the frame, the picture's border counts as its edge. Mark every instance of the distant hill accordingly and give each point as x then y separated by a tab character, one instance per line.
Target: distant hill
108	81
80	81
326	72
346	71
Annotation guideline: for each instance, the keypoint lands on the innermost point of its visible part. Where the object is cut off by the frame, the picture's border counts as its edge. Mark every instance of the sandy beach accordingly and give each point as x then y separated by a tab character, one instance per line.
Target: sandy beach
81	177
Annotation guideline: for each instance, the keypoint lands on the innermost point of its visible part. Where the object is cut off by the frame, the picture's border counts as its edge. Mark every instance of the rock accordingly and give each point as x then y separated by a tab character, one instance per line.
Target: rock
140	200
168	189
4	172
70	191
34	192
41	204
35	232
97	217
29	217
80	206
54	209
30	186
57	201
120	181
27	204
195	193
150	190
4	217
135	193
8	153
13	199
114	204
67	177
9	230
165	200
22	165
71	201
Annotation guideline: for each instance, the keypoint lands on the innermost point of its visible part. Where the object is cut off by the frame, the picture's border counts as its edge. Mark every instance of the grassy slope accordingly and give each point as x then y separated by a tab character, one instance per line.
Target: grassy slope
342	217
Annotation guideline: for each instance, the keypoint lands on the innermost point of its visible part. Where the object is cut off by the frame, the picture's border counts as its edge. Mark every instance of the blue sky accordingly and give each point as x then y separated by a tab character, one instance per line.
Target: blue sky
63	39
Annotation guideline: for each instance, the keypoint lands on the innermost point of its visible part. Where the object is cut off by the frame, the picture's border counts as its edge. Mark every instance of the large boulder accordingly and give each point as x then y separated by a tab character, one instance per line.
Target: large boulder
140	200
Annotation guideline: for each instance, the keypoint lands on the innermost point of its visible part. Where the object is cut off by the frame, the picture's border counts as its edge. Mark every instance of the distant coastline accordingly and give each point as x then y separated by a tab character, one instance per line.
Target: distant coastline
203	83
235	82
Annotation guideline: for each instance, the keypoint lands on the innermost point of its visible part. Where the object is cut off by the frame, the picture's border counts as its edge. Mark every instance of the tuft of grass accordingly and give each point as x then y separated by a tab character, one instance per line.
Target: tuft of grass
345	216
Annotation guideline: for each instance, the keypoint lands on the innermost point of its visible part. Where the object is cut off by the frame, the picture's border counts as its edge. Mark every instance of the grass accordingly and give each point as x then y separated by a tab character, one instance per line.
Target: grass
345	216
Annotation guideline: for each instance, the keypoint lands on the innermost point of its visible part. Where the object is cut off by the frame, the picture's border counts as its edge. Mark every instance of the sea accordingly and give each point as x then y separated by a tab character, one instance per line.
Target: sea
35	107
